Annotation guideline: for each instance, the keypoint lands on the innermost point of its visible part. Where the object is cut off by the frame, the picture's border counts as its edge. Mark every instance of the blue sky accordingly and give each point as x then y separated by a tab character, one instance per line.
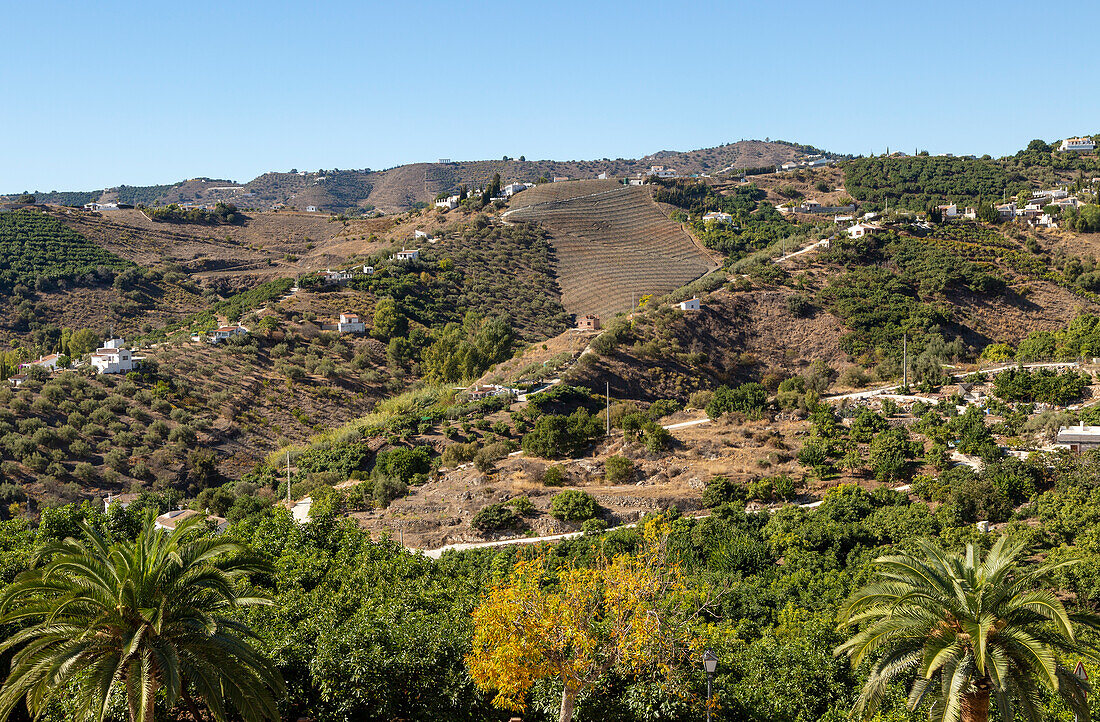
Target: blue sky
99	94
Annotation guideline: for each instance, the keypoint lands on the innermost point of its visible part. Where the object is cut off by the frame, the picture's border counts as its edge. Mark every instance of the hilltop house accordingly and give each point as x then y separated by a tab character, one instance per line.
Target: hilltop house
407	255
350	323
589	322
860	230
513	188
448	204
1085	144
93	206
692	304
717	217
174	518
113	358
224	333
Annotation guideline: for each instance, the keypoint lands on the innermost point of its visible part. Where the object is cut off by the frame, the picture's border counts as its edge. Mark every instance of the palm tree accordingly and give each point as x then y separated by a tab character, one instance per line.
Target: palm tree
135	618
970	629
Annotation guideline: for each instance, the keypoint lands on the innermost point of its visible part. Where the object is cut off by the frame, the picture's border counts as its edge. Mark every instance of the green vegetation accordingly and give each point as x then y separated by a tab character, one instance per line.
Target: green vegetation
36	249
573	505
918	182
1046	386
87	629
223	213
975	628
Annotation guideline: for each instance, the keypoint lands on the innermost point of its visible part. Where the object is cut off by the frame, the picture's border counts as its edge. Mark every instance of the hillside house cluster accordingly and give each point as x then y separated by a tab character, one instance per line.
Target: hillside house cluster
1085	144
113	358
659	171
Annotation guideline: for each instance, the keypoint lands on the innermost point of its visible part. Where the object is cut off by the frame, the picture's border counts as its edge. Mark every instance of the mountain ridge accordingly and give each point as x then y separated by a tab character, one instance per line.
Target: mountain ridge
402	187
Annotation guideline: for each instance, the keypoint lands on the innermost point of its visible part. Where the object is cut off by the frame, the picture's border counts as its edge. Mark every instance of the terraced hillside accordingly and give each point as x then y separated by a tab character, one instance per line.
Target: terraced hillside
612	242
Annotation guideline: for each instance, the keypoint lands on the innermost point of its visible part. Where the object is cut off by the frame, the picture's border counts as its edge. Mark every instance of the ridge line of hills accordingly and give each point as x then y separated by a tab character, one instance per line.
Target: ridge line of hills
407	186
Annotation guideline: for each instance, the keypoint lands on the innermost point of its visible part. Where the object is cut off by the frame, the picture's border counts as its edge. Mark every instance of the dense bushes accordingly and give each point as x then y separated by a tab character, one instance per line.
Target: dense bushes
920	181
223	213
556	435
747	398
1043	385
573	505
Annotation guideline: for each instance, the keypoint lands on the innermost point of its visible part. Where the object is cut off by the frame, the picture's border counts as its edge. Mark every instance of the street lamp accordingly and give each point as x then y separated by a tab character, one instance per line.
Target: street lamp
710	663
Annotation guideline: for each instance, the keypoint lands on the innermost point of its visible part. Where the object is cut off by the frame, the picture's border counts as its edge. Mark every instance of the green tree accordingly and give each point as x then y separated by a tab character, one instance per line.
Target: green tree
83	341
139	618
388	321
972	629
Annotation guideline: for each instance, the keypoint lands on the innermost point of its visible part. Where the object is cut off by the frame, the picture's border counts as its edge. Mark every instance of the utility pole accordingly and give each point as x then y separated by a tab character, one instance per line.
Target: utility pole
288	476
905	362
607	431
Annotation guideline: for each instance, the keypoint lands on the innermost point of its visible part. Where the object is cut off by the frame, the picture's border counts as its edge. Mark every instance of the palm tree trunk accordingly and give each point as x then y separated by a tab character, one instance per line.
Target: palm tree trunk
975	705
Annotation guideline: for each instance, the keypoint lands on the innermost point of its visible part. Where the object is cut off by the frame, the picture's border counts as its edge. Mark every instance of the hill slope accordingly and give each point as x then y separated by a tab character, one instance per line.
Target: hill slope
613	244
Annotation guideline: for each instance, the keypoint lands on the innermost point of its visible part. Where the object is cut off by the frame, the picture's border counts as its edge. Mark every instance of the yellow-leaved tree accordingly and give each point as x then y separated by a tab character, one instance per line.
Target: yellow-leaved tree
633	614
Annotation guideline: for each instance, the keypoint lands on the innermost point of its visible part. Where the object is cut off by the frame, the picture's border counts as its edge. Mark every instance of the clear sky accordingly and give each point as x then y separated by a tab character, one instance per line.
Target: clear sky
100	94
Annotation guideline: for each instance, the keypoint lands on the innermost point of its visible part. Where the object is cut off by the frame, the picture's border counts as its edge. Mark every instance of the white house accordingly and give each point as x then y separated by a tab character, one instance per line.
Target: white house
717	217
692	304
330	277
369	270
789	165
860	230
560	178
224	333
1085	144
513	188
476	393
93	206
661	172
602	176
1079	438
46	362
418	234
113	358
407	255
447	204
350	323
311	209
174	518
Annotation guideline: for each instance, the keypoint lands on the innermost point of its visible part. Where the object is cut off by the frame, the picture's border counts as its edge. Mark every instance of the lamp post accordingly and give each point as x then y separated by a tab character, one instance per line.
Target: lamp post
710	663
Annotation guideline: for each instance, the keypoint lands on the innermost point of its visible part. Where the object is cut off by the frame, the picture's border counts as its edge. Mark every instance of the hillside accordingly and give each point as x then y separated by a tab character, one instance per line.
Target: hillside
400	188
613	244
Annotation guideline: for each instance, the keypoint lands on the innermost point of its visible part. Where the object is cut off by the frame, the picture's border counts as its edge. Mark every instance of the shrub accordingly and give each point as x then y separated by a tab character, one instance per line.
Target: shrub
699	399
594	526
523	506
553	475
721	490
573	505
746	398
494	517
618	469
